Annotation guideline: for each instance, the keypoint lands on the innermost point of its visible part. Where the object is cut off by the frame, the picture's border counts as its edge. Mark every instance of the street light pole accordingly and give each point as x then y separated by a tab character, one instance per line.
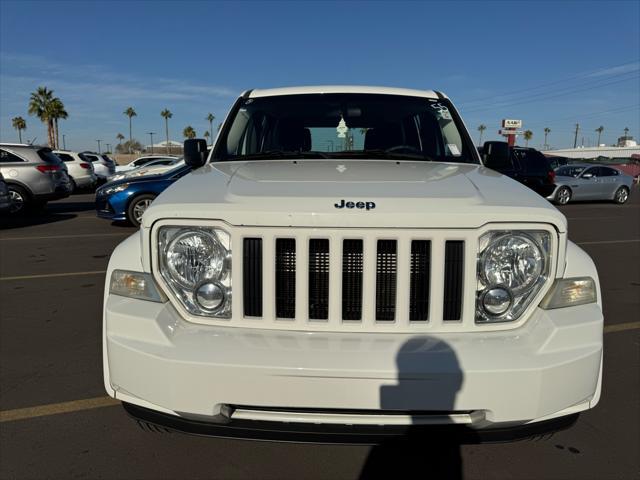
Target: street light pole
64	143
99	152
109	147
151	135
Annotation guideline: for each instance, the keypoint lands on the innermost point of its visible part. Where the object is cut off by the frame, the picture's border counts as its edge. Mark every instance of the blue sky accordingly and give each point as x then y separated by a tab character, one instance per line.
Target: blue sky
559	62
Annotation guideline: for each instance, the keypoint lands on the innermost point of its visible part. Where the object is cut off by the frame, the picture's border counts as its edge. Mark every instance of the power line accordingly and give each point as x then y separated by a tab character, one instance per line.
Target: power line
583	75
582	116
540	97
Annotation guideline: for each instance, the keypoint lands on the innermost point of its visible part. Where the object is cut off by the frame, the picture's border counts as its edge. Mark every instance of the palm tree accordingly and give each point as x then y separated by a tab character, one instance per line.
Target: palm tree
528	135
166	114
547	131
56	112
626	132
40	106
130	112
600	129
19	124
120	137
210	119
481	129
206	135
189	132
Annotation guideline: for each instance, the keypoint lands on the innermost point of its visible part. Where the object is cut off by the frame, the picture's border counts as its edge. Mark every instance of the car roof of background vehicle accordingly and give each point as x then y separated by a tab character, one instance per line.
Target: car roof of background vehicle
269	92
21	145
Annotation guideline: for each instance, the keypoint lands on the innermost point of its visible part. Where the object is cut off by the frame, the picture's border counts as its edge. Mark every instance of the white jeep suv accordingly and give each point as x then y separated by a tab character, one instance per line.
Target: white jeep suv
341	264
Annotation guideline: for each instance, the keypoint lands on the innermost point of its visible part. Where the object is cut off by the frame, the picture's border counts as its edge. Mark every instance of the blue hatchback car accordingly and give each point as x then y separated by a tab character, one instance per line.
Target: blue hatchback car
128	198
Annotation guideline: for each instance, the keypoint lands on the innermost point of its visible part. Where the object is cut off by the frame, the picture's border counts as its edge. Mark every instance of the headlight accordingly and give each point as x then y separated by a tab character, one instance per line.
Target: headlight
195	262
512	267
107	190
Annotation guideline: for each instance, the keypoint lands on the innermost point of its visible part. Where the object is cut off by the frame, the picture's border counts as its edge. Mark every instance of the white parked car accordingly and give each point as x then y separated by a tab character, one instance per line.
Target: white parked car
341	263
155	167
80	172
103	165
143	161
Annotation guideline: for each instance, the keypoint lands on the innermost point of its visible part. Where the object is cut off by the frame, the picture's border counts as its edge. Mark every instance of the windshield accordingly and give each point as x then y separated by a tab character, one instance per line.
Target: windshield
569	171
344	125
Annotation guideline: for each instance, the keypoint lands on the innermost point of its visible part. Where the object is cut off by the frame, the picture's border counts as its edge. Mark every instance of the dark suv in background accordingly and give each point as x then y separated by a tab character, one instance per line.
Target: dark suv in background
526	165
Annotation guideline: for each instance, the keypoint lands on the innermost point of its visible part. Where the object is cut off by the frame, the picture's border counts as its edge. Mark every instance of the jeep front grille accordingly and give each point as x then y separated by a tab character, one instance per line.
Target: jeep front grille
319	280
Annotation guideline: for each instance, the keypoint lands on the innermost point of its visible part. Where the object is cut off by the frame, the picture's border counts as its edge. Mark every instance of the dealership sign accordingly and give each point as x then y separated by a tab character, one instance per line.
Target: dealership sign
507	123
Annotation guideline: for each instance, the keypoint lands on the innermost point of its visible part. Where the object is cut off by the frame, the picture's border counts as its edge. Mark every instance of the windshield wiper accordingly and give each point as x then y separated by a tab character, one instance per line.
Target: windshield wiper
284	154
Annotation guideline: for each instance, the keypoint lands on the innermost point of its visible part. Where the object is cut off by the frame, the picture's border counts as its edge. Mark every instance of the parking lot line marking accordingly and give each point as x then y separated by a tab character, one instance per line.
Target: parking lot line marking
620	327
53	237
51	275
56	408
604	242
100	402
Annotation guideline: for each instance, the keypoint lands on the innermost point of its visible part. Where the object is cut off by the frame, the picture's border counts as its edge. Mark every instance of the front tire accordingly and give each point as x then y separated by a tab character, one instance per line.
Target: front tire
137	207
621	196
563	195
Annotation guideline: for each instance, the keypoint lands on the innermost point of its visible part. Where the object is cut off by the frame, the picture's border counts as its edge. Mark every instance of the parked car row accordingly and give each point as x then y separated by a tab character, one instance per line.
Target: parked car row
35	175
148	160
554	178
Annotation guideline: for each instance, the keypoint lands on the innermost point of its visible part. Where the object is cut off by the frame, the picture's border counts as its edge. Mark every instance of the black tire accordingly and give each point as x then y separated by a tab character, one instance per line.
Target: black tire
137	206
21	200
563	195
621	196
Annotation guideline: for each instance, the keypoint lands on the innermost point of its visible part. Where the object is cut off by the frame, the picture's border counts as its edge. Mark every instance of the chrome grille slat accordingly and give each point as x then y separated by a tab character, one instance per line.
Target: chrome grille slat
453	271
318	279
386	277
352	268
285	260
420	280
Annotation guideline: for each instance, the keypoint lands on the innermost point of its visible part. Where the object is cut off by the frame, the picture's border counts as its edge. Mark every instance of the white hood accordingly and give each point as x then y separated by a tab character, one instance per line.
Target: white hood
304	193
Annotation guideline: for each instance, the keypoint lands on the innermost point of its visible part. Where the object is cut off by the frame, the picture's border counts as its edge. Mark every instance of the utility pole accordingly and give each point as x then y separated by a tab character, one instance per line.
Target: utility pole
109	147
151	136
575	138
99	152
64	143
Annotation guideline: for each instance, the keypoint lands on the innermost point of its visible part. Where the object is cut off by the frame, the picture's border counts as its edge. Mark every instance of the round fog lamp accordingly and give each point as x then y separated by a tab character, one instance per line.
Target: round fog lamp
496	301
209	296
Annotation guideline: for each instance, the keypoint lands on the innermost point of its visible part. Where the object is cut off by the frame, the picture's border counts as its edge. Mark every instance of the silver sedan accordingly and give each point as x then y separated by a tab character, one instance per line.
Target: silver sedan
590	182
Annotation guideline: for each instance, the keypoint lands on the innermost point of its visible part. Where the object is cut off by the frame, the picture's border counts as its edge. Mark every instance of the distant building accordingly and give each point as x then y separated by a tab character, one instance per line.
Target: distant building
161	147
625	151
627	141
172	144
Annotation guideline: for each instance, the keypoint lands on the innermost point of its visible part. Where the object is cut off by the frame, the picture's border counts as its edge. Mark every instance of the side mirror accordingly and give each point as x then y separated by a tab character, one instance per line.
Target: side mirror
587	175
195	152
496	155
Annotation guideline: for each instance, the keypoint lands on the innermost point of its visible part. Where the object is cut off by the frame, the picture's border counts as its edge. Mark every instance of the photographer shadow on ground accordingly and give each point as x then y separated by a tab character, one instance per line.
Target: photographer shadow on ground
429	377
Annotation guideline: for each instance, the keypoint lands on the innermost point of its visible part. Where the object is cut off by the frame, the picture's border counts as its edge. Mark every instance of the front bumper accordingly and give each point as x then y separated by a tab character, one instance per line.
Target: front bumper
548	368
106	209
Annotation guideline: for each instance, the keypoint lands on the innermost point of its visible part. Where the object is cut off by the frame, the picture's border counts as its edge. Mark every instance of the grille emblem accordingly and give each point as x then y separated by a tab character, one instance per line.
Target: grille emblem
341	168
360	205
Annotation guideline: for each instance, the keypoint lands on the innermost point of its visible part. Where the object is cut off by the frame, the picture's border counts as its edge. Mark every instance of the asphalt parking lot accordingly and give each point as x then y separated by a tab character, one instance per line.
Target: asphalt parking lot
55	421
